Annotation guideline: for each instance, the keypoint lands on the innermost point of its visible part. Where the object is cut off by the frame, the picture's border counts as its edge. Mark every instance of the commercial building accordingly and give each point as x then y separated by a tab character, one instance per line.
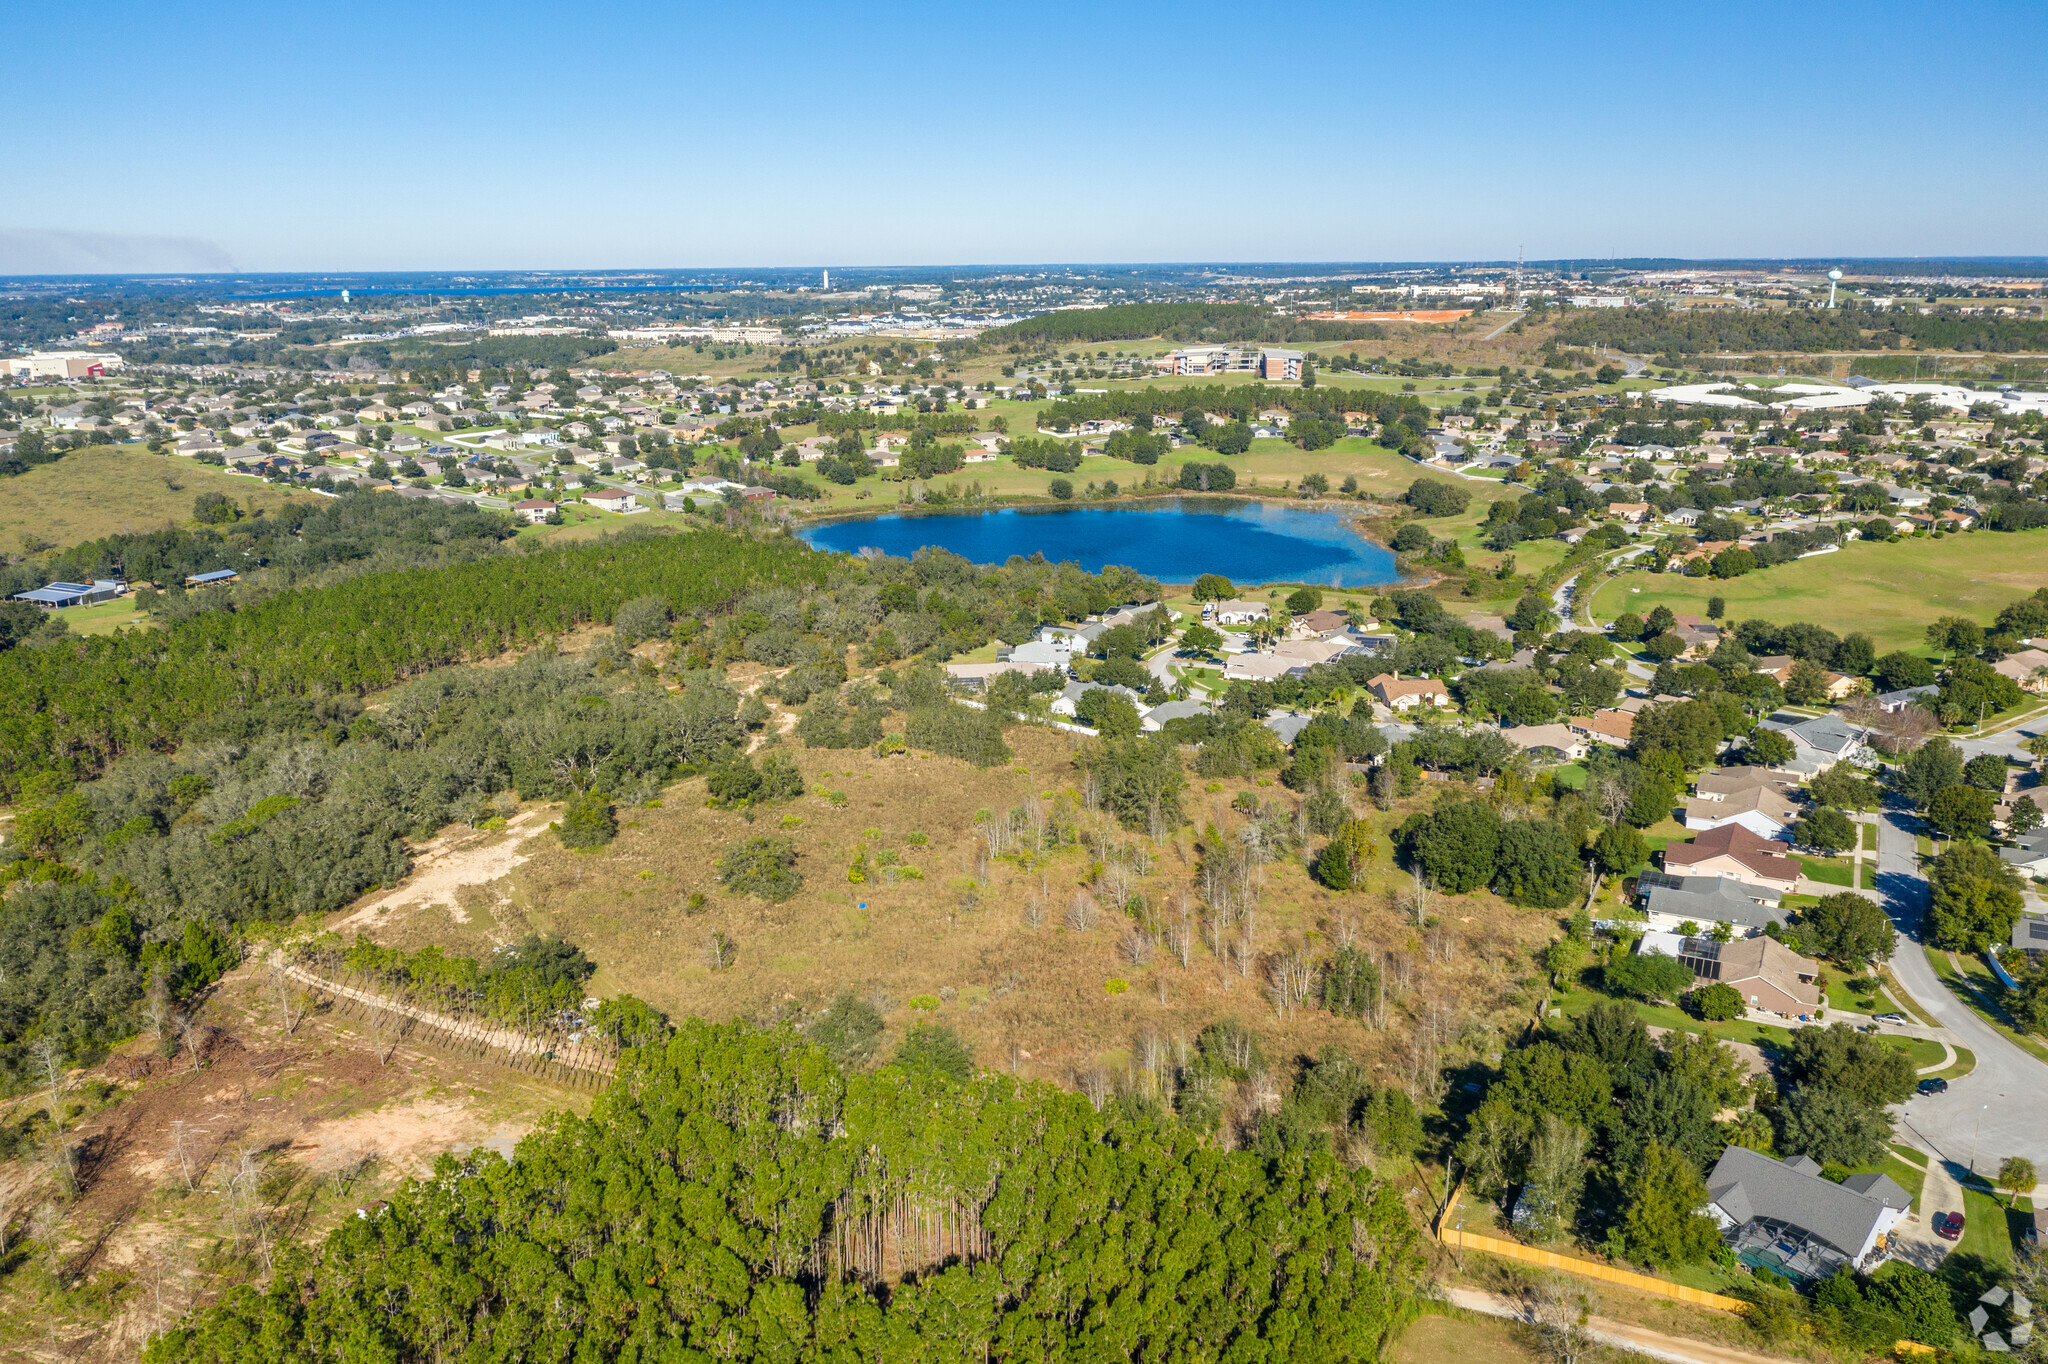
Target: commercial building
61	364
1279	366
57	595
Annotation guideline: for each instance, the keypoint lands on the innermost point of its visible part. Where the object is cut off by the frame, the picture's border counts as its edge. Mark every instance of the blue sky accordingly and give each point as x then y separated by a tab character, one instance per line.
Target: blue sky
371	136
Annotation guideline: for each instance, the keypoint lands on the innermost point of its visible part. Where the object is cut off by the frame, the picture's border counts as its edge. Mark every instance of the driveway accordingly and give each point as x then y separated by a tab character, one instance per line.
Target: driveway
1999	1109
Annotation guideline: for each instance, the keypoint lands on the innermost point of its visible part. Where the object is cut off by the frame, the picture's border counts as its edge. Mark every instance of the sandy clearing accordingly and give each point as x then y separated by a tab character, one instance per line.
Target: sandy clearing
445	867
407	1136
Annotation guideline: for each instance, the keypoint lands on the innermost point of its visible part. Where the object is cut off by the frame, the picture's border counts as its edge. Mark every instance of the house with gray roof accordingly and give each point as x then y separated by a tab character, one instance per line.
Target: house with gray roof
1670	901
2030	933
1160	716
2028	854
1820	743
1783	1215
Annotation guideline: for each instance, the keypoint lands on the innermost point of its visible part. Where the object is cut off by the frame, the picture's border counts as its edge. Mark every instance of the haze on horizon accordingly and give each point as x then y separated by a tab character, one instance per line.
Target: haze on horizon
247	138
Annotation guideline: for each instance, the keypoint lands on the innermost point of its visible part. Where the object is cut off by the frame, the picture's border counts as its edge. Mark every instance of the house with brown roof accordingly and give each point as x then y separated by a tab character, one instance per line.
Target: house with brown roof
1635	513
1395	694
1612	727
1733	850
1763	810
1765	972
533	510
1322	624
2026	668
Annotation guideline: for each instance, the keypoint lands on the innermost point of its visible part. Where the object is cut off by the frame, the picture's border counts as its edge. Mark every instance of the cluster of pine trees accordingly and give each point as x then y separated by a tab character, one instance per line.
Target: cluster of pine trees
735	1195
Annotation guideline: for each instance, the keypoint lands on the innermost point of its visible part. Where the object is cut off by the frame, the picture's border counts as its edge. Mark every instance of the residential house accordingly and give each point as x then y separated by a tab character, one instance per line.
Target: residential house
1236	612
1766	973
1674	901
2028	667
1542	740
1396	694
1157	718
533	511
1611	727
1634	513
1733	850
2028	854
1764	810
1784	1215
1892	702
1049	650
1820	743
610	499
1322	624
2030	933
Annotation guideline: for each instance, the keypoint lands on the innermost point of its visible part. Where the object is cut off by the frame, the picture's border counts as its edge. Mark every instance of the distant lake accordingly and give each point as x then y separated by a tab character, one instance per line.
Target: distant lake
1175	540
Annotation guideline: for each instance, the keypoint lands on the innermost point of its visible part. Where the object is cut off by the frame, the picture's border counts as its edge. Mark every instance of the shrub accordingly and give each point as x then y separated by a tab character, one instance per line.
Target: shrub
588	821
1061	489
1717	1003
935	1049
1434	497
762	867
1648	976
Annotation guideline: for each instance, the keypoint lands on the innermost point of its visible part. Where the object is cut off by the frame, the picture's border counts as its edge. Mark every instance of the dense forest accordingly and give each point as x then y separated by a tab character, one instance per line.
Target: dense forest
736	1195
1658	330
1216	323
72	707
307	539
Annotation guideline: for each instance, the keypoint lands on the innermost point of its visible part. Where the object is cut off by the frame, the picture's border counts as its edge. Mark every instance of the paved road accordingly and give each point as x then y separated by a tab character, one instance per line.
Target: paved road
1999	1109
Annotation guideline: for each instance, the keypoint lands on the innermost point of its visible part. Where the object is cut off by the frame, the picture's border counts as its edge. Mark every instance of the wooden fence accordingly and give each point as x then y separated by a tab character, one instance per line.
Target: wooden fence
551	1054
1589	1269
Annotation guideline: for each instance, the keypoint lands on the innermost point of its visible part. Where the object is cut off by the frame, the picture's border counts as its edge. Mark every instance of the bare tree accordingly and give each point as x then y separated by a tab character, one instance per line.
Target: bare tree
56	1077
387	1021
1419	899
1095	1084
719	951
1562	1317
279	972
1180	935
1034	913
156	1005
181	1147
43	1226
1136	946
1081	912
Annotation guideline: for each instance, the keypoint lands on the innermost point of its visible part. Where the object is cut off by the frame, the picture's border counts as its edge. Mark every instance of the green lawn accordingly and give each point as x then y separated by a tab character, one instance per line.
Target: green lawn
1832	871
1959	985
1985	1231
1869	875
1887	591
1840	995
102	619
1965	1062
1870	838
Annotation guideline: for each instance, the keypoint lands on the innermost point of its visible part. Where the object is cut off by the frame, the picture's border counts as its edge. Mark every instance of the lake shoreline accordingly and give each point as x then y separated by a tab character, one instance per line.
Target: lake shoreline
1351	518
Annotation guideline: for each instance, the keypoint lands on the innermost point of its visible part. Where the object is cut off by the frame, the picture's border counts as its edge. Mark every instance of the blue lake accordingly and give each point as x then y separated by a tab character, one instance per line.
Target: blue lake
1174	540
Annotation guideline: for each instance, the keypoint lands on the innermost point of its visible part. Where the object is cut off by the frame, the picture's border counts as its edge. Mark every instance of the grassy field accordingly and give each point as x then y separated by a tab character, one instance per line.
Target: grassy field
942	943
1436	1336
1888	592
107	490
102	619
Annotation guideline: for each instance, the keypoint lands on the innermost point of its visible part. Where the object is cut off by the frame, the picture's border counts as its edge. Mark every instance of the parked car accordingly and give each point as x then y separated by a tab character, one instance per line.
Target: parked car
1933	1085
1948	1226
1889	1018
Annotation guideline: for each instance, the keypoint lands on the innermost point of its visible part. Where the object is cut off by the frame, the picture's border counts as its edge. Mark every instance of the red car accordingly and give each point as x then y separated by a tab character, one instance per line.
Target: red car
1948	1226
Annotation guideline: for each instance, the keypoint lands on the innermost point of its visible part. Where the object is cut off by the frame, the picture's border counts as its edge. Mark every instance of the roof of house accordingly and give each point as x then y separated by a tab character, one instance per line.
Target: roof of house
1825	734
1319	621
1765	856
1766	800
1390	686
1559	737
1735	781
1719	899
1747	1185
1239	606
1618	724
1772	962
2020	666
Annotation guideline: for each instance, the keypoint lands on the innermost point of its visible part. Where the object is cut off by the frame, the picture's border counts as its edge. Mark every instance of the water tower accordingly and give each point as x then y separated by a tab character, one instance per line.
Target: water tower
1834	278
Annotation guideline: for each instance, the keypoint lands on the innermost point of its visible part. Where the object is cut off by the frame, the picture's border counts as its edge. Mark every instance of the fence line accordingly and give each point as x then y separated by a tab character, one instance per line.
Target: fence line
552	1055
